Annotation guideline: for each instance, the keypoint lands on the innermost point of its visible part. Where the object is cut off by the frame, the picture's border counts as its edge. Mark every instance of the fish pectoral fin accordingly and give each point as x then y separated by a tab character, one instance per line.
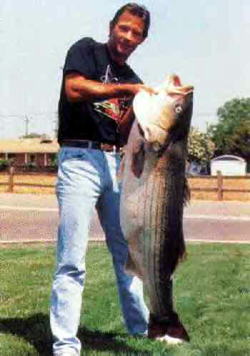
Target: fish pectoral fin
130	266
138	159
120	172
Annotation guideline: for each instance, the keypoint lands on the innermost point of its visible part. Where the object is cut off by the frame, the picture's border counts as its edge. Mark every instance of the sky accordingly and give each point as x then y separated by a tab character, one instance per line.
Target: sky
205	42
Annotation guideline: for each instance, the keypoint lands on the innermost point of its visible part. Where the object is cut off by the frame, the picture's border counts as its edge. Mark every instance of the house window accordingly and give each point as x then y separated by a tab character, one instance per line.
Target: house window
32	158
11	156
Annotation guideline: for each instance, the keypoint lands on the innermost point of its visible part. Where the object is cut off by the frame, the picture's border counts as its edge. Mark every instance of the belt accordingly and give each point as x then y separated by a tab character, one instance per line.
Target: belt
91	144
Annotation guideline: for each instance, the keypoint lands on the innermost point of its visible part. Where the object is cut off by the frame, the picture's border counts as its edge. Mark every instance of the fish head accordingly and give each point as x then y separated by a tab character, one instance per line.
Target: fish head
165	114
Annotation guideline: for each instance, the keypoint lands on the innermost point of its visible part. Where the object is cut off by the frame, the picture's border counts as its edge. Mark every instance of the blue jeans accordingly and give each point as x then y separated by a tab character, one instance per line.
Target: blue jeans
87	178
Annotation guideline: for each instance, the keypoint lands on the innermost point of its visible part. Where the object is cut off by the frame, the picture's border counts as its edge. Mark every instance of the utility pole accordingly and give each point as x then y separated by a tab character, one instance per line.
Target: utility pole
27	121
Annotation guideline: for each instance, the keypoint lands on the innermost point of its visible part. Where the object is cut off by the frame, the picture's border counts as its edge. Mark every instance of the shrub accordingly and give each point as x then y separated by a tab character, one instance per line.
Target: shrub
4	164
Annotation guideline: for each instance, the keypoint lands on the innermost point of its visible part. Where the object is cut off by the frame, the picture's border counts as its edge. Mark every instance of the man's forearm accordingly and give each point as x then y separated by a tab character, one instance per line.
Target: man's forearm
80	89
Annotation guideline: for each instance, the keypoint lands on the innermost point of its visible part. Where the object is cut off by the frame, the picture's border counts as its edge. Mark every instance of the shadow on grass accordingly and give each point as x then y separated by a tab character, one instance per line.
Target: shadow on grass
36	331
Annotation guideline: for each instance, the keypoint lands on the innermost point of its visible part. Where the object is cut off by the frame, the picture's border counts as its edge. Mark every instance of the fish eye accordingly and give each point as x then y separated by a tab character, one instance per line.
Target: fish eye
178	109
156	146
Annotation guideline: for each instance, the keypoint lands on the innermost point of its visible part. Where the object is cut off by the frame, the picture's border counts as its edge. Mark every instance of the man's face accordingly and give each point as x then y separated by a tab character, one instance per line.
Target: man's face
125	36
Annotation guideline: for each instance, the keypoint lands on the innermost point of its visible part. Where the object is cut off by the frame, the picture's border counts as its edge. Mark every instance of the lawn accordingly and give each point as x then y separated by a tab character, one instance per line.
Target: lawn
212	295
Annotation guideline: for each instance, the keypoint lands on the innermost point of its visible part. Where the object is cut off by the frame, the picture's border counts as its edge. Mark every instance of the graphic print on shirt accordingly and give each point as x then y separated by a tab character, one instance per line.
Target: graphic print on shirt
113	108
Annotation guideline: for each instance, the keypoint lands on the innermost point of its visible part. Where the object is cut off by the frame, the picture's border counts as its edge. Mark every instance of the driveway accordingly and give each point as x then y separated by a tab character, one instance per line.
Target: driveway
34	218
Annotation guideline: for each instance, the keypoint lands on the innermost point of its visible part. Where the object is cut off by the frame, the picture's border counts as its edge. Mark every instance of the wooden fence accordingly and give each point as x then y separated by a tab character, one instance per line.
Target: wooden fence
220	187
202	187
12	181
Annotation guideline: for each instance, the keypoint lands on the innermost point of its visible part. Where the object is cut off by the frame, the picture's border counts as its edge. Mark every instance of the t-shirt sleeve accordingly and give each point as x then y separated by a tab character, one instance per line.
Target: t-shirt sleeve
80	59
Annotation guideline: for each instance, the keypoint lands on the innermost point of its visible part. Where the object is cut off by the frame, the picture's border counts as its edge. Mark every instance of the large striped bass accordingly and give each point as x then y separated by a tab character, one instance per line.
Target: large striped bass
154	191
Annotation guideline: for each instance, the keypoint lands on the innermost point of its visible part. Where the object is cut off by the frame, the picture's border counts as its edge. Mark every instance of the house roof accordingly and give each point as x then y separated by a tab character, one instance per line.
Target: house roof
228	158
28	145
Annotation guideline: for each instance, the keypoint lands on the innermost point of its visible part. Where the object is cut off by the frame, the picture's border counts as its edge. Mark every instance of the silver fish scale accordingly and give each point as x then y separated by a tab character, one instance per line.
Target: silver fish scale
154	191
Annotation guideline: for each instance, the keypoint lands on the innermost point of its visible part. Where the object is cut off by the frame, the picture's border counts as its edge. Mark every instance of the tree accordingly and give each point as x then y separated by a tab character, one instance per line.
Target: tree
232	133
200	147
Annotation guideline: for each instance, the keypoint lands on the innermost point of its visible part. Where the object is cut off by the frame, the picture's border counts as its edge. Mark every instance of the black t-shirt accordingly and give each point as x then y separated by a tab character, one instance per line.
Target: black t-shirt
95	121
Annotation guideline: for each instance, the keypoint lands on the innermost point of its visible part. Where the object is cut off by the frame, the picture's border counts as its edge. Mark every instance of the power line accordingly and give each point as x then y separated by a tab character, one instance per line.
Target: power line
30	113
34	120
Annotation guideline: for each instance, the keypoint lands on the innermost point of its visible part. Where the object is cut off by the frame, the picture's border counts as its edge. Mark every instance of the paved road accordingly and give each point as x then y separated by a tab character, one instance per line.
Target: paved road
29	217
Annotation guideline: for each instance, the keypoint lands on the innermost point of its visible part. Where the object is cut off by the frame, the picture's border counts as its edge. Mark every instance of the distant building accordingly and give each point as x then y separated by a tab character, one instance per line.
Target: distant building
229	165
38	151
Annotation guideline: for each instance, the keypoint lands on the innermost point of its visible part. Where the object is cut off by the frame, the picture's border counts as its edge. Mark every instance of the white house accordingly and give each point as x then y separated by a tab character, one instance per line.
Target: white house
228	165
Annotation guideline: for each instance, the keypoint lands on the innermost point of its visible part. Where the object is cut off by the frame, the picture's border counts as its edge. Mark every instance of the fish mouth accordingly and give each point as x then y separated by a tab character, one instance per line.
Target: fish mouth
160	115
155	138
173	85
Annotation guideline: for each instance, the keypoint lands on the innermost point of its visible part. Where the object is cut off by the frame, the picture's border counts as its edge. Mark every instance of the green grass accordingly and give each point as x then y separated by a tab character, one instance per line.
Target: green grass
212	296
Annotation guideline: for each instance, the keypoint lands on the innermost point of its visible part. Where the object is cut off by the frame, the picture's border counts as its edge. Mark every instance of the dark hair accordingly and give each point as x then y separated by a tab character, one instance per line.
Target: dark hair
137	10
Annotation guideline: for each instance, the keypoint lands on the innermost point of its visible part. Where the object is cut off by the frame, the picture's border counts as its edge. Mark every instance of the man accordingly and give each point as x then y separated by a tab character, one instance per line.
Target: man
97	89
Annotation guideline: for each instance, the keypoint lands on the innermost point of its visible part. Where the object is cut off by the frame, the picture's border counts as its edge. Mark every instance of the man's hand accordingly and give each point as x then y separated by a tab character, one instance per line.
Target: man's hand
148	89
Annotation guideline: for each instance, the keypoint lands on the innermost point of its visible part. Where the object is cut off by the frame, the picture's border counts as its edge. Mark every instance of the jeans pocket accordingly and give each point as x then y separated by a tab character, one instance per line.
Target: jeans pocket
68	160
71	154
